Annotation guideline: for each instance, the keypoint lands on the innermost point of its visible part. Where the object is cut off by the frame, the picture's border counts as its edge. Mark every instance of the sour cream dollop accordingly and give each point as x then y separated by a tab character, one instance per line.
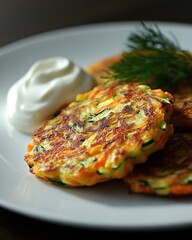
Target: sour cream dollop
47	86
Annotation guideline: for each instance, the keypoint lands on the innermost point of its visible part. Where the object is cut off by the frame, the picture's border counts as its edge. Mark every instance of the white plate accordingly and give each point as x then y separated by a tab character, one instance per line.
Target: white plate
106	205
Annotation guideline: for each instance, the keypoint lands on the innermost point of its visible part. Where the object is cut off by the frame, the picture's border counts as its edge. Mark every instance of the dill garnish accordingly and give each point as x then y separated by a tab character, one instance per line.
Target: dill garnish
151	38
153	59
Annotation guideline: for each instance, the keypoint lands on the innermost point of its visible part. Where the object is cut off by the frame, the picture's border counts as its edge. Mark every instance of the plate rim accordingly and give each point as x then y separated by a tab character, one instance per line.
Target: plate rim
47	35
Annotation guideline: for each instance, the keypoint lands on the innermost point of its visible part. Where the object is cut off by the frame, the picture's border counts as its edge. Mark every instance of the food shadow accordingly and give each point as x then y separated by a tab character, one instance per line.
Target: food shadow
116	193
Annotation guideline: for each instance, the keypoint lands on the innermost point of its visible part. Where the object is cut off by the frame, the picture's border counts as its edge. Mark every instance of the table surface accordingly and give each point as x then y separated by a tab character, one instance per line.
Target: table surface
20	19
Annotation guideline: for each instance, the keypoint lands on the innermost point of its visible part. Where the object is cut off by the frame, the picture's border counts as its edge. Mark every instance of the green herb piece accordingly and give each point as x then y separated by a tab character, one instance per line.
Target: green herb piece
164	126
151	38
189	181
38	149
88	160
149	142
56	181
143	183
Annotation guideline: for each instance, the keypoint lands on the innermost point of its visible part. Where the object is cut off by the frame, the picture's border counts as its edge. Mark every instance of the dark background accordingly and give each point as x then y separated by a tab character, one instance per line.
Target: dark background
23	18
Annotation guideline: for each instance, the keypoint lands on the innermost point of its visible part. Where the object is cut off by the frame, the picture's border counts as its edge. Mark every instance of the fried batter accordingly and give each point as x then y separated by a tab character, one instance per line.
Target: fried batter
101	135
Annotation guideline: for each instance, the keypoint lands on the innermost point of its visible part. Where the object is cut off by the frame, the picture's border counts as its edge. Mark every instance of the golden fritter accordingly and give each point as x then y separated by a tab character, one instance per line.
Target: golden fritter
101	135
167	172
182	116
98	69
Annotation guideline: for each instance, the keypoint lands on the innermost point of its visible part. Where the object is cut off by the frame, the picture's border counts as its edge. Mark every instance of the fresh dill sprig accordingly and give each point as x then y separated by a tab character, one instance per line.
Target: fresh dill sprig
153	59
151	38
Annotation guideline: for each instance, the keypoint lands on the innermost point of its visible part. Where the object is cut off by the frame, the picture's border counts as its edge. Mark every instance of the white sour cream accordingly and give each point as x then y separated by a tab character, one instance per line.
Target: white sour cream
45	88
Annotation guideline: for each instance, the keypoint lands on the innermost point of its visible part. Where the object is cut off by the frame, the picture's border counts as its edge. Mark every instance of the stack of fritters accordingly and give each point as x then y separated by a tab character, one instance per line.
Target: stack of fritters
101	135
169	171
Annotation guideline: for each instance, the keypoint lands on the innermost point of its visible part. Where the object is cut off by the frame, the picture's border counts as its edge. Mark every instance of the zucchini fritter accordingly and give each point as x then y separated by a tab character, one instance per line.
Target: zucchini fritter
166	172
182	115
101	135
